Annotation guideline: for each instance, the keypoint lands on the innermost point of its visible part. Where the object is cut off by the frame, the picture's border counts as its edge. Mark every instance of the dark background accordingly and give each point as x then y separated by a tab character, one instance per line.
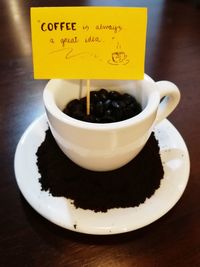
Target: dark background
26	238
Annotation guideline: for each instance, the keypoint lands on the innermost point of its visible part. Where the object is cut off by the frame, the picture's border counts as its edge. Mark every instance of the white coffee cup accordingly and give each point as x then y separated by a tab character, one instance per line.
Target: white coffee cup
107	146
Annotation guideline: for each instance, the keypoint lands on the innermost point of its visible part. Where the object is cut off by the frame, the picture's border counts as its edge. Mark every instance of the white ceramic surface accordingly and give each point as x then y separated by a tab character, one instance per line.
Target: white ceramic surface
60	211
107	146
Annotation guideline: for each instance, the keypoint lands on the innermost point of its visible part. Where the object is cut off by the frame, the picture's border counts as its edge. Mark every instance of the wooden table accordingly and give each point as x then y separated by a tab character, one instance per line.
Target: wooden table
27	239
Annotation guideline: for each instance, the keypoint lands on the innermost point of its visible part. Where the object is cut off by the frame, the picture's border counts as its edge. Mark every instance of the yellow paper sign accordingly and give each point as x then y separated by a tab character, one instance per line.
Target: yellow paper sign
88	42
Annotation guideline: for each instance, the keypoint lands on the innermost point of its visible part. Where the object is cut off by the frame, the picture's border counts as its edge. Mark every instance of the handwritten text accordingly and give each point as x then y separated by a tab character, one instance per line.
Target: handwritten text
58	26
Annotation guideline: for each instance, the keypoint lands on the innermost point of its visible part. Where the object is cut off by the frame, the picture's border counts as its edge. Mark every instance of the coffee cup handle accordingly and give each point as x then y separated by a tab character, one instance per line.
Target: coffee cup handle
169	99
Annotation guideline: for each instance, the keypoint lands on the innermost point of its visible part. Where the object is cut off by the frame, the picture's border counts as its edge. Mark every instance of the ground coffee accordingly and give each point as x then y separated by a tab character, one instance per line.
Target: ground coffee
128	186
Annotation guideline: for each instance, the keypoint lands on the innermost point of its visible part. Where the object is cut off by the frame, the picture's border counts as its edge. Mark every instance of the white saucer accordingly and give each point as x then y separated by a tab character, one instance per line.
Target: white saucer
60	211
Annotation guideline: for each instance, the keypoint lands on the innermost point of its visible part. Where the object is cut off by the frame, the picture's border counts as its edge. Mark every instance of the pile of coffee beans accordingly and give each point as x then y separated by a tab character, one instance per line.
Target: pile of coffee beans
105	107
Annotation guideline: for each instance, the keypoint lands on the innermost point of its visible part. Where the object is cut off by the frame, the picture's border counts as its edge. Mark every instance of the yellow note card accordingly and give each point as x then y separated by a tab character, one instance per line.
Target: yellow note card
88	42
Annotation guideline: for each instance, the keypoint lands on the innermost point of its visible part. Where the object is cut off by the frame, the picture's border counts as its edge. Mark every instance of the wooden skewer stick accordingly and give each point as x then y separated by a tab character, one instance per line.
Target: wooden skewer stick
88	97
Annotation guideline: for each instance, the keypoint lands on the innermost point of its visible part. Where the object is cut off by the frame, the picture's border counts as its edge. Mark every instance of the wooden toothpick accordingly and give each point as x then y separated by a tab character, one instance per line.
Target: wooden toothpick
88	97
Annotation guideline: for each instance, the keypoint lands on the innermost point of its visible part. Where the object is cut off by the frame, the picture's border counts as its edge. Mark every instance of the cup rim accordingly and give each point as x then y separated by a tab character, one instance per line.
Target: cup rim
53	109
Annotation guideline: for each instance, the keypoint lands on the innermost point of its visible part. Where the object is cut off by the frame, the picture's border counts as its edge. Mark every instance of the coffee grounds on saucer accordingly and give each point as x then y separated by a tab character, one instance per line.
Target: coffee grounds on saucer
128	186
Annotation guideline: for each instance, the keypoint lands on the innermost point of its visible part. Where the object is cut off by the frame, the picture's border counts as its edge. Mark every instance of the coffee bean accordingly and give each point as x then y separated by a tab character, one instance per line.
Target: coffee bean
115	105
128	99
107	104
94	96
103	95
99	109
114	95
